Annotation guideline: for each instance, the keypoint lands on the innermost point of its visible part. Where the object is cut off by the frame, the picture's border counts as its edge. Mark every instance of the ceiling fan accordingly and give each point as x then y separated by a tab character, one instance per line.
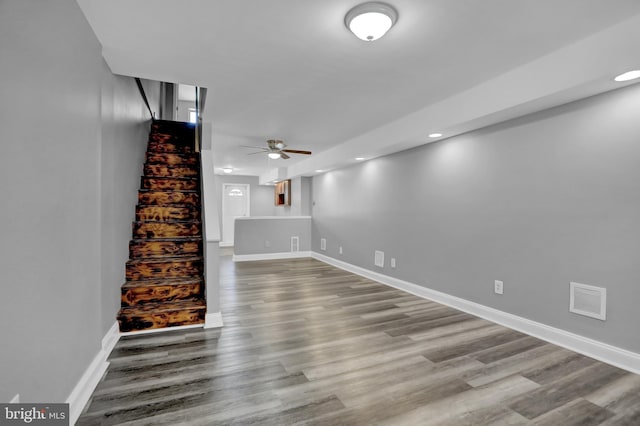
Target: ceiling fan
275	149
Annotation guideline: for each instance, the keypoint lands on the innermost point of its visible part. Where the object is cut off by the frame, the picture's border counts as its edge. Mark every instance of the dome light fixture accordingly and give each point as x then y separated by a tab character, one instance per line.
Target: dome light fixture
370	21
274	155
435	135
630	75
227	170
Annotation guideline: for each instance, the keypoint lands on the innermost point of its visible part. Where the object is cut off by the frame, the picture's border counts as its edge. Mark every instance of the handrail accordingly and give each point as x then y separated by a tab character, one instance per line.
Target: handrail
198	122
201	96
144	97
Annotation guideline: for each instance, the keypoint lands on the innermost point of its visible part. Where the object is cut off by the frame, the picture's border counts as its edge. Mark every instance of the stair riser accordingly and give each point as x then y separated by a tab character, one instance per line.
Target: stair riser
167	146
160	213
164	249
169	183
161	320
166	230
163	270
172	159
162	170
167	198
155	294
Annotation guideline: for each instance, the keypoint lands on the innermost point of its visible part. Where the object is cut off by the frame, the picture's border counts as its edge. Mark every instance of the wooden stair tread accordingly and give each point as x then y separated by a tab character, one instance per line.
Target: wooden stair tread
177	221
153	282
170	206
145	190
185	178
166	240
164	260
154	307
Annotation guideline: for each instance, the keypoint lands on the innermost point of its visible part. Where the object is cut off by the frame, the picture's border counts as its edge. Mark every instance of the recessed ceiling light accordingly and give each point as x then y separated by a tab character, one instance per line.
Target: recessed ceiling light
227	169
370	21
319	171
274	155
630	75
359	158
435	135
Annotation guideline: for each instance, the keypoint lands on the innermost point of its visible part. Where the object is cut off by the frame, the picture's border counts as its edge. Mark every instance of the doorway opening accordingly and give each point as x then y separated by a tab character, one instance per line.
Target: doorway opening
235	203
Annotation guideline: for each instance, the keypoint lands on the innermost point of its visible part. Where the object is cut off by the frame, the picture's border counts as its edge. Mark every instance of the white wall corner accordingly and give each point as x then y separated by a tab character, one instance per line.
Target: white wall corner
604	352
91	377
15	399
213	320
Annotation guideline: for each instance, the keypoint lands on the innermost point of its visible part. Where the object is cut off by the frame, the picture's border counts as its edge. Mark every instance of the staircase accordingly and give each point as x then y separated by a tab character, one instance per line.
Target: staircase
165	273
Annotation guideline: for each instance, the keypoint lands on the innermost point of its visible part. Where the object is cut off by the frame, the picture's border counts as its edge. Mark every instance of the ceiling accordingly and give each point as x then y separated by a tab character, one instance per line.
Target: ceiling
290	70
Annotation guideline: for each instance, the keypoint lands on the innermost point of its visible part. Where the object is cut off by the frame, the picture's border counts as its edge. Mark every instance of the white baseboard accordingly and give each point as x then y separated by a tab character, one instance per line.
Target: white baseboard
213	320
89	380
270	256
604	352
225	244
15	399
160	330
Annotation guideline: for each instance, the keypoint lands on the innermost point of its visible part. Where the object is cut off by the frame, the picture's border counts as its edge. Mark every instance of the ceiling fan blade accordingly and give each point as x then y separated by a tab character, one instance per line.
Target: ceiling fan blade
253	147
257	152
284	156
297	151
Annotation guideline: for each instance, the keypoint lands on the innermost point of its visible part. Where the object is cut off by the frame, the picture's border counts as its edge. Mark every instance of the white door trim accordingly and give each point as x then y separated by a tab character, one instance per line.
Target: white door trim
248	201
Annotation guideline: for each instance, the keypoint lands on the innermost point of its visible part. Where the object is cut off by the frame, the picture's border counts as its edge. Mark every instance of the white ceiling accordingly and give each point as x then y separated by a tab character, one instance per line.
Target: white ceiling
289	69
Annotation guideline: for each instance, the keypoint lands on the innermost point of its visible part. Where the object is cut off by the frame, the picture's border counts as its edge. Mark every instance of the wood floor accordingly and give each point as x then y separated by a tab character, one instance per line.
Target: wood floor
306	343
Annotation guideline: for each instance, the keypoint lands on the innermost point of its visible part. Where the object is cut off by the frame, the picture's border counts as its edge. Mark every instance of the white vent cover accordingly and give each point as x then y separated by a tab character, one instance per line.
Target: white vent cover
378	258
295	244
588	300
323	244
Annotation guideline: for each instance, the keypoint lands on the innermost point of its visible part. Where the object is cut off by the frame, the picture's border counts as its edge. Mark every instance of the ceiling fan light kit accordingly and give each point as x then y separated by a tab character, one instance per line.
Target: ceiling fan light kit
370	21
275	150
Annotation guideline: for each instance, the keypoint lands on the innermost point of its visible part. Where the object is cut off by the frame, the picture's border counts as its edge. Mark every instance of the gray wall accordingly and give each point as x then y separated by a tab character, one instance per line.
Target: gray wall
536	202
125	130
183	110
71	156
251	235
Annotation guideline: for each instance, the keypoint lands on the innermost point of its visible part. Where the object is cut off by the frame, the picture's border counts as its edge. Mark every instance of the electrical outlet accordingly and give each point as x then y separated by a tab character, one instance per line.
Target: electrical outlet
267	243
378	258
340	250
393	262
323	244
498	287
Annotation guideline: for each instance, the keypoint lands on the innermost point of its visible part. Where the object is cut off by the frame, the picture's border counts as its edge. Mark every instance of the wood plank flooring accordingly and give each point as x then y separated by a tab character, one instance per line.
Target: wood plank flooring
306	343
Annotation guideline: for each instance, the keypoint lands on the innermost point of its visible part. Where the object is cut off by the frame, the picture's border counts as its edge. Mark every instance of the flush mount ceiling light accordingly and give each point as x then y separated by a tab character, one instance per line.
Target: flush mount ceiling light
359	158
631	75
370	21
227	170
274	155
435	135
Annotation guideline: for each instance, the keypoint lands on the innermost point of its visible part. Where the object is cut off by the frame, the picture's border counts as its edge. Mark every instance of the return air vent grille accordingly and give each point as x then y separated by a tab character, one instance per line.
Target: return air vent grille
588	300
295	244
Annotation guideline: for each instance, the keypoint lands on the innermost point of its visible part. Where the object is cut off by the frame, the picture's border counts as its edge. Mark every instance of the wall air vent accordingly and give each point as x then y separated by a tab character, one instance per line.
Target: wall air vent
295	244
588	300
